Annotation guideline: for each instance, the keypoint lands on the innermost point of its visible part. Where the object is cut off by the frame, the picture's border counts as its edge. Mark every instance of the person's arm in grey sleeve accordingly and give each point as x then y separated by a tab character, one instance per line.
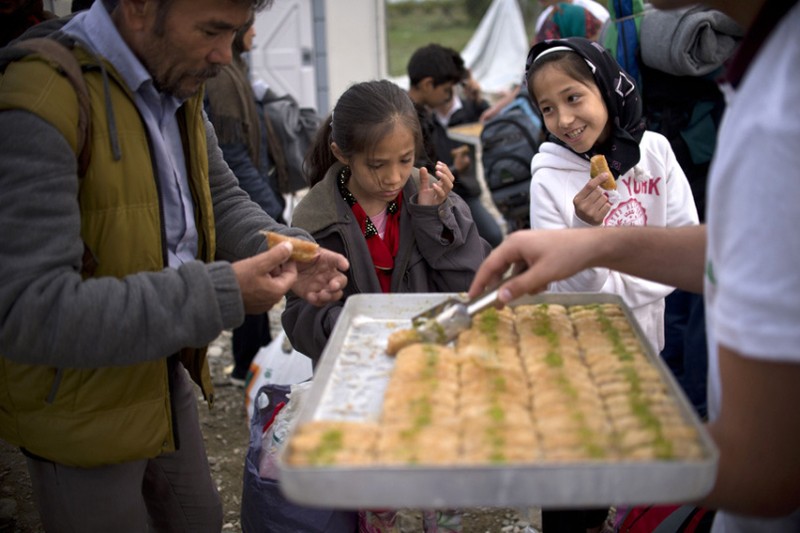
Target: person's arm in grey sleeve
49	314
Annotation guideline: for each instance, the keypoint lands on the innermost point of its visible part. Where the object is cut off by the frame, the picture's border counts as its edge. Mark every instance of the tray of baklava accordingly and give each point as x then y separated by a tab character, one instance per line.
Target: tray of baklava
556	400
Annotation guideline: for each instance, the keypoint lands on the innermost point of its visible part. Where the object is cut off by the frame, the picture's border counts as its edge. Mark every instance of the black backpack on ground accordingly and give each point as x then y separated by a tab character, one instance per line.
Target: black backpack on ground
509	142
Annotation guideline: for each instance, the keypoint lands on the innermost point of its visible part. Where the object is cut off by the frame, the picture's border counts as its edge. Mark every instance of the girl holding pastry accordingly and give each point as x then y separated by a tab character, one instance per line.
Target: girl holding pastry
593	114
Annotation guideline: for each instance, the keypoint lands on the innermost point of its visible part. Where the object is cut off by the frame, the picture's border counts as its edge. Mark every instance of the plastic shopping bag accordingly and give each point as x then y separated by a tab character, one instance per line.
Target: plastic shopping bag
275	363
264	508
276	429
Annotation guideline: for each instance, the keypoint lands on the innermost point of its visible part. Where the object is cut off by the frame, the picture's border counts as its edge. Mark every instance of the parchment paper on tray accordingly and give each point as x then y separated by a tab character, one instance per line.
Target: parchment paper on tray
554	401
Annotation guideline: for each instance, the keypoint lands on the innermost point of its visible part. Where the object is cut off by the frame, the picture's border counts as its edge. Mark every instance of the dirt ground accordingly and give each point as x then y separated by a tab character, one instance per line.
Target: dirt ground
226	436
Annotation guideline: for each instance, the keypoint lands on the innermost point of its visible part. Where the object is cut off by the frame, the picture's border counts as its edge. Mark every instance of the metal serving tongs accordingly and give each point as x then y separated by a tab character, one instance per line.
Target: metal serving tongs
443	322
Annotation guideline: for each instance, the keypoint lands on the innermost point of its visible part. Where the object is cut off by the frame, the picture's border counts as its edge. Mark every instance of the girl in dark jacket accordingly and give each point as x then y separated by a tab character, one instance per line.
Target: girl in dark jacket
401	229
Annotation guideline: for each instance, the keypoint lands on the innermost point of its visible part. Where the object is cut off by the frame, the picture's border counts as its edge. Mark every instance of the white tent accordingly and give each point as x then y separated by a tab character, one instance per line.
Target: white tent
496	51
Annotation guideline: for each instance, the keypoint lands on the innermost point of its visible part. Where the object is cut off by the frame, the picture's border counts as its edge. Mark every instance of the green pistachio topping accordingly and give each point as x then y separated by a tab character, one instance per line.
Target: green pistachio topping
325	453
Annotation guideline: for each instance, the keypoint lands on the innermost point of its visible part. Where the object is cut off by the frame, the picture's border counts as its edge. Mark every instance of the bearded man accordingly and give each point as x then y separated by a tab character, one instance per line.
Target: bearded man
116	277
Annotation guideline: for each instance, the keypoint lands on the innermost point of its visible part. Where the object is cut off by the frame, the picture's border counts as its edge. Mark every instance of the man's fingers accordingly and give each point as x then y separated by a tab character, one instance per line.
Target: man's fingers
329	268
321	298
265	278
274	257
338	261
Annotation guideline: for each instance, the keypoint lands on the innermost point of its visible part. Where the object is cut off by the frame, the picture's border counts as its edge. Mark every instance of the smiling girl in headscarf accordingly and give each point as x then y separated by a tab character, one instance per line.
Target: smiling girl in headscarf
590	106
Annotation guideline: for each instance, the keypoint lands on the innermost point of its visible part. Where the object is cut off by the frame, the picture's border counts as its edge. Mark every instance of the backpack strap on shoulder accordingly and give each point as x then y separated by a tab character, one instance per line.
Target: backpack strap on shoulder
57	50
60	55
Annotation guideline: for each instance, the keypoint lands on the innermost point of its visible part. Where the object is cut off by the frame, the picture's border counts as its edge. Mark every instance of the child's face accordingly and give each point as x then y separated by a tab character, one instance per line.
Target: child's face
435	96
573	110
377	178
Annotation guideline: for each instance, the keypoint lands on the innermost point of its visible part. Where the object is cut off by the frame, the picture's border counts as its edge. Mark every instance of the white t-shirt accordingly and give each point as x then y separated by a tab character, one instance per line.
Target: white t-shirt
595	8
444	119
752	283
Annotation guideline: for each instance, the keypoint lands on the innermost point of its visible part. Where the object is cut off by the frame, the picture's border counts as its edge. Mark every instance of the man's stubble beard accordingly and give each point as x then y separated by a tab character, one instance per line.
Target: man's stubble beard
175	85
156	57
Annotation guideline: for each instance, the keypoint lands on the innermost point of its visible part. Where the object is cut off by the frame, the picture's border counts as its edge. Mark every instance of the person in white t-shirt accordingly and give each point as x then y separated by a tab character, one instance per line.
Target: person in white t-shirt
745	260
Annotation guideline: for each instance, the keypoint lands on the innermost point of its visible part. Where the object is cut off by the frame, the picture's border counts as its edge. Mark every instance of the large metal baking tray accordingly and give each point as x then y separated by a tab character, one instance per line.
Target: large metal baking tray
349	383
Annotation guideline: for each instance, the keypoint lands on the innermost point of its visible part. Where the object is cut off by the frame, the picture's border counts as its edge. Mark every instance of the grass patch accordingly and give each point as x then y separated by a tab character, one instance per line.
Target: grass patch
411	25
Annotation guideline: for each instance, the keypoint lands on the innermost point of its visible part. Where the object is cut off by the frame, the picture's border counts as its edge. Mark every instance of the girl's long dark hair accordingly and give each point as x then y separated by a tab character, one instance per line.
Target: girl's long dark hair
364	114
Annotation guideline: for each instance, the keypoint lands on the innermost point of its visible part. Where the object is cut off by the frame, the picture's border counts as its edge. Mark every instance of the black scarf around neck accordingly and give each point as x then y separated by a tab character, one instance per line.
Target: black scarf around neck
620	95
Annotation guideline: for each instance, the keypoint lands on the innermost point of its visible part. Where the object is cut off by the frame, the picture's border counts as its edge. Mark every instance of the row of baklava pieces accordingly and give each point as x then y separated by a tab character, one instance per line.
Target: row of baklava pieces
605	376
574	415
426	425
578	410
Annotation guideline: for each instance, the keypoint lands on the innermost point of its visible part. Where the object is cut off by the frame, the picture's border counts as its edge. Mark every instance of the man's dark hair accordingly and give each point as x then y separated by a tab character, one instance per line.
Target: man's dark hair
164	5
438	62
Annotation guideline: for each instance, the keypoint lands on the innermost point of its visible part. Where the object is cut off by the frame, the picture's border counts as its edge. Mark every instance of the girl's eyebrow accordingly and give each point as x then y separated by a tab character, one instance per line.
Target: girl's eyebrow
569	89
565	90
384	159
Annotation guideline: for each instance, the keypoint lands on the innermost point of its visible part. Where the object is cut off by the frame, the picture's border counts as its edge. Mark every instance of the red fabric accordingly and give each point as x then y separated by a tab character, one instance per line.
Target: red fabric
383	251
646	519
275	412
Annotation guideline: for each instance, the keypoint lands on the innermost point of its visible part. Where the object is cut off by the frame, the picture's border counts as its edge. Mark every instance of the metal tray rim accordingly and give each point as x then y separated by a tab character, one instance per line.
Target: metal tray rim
506	484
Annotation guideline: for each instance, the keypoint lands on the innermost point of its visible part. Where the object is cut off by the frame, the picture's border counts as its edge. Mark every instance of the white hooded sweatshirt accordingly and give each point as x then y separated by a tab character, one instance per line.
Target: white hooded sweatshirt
653	193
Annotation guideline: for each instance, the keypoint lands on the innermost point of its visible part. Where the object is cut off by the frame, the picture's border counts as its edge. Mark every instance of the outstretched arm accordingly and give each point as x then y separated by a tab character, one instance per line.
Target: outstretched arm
673	256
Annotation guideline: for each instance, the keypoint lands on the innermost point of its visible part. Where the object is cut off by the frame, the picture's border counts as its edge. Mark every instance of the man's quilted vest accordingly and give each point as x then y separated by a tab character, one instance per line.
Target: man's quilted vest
91	417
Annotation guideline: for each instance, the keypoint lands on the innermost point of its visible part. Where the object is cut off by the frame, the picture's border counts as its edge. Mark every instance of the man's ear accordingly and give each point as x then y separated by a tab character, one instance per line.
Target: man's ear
338	154
136	14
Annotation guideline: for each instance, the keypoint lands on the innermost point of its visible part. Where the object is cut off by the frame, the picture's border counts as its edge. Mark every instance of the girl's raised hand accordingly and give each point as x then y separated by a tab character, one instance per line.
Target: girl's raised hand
435	193
591	203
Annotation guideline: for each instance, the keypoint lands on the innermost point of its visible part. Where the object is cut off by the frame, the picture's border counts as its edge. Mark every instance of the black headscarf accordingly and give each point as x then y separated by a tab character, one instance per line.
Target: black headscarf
620	95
